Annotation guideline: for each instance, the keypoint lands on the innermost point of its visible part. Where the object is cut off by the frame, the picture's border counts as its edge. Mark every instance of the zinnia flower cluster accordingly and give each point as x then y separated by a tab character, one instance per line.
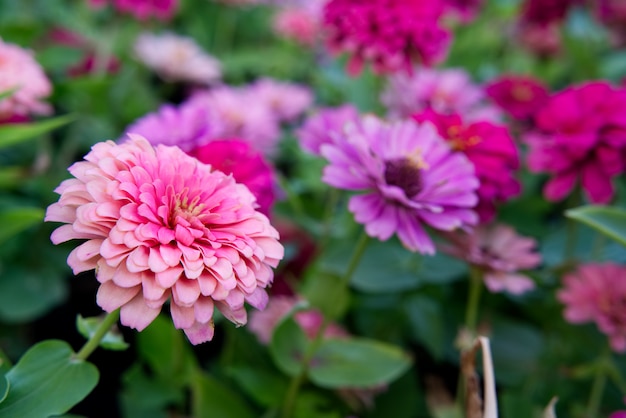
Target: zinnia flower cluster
490	148
159	225
499	253
177	58
581	135
387	33
21	74
142	9
597	293
410	178
444	91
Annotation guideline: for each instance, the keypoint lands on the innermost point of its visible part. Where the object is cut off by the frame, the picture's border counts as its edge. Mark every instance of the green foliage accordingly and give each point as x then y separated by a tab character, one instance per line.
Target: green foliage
211	398
610	221
18	133
47	381
15	220
111	341
289	346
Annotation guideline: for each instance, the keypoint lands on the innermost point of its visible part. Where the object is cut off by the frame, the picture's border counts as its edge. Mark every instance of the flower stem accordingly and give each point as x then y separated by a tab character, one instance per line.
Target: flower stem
93	342
297	381
597	387
475	289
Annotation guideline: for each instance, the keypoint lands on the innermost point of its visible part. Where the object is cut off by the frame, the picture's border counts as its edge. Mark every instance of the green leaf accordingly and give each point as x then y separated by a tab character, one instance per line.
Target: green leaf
10	176
16	220
4	388
326	292
357	363
145	396
12	134
166	351
47	381
289	346
111	340
213	399
26	293
606	219
265	386
427	325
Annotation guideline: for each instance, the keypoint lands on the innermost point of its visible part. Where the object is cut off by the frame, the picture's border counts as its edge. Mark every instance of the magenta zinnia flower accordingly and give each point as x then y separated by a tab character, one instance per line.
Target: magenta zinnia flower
411	179
581	133
597	293
387	33
490	148
142	9
21	73
162	226
320	127
518	95
499	253
247	166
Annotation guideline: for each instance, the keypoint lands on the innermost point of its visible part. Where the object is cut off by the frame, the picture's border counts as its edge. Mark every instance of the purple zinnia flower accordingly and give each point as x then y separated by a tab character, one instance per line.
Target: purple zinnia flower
411	178
318	129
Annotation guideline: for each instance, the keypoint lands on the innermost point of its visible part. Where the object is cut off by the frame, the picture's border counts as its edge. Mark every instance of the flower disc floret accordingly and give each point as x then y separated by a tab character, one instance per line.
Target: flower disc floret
159	225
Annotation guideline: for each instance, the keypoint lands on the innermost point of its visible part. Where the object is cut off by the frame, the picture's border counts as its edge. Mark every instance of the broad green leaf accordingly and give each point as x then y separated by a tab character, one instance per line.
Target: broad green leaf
12	134
516	348
427	324
213	399
15	220
47	381
314	404
265	386
357	363
4	387
326	292
26	293
608	220
111	340
288	346
145	396
166	351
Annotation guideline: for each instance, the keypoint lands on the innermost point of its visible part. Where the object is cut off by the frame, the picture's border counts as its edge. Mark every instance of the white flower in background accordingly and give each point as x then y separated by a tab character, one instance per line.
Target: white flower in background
177	58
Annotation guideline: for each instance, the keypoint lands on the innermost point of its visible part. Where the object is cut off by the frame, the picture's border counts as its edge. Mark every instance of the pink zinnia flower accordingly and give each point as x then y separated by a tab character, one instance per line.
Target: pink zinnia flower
301	21
20	72
490	148
444	91
387	33
411	178
162	226
520	96
319	128
597	293
177	58
285	100
581	134
618	414
187	126
542	40
247	166
241	115
499	253
142	9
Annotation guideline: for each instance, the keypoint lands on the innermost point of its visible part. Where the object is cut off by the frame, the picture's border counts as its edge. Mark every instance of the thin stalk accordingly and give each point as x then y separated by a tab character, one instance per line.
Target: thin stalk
297	381
475	289
598	385
93	342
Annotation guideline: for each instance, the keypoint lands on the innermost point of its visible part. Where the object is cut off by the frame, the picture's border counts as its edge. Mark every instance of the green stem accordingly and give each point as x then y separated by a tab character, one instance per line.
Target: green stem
297	381
597	387
475	289
93	342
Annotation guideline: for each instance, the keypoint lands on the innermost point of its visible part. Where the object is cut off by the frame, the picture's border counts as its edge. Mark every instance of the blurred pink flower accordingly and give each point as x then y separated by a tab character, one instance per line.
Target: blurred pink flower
466	9
542	40
285	100
263	323
162	226
20	72
500	253
242	115
89	60
186	126
545	12
618	414
319	128
597	293
490	148
520	96
387	33
177	58
410	178
141	9
247	166
581	133
301	22
444	91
